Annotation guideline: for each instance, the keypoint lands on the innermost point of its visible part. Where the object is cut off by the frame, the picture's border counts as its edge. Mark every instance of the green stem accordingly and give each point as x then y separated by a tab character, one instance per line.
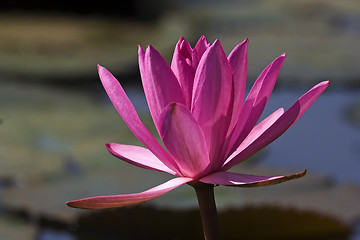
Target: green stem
208	212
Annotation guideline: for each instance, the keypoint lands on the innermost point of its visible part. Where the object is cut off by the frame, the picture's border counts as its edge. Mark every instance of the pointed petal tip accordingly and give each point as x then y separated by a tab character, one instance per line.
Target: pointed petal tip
216	42
280	111
77	204
104	74
245	42
150	51
140	48
179	43
99	67
147	49
322	85
280	59
203	38
297	175
110	149
241	45
326	83
216	45
106	78
70	203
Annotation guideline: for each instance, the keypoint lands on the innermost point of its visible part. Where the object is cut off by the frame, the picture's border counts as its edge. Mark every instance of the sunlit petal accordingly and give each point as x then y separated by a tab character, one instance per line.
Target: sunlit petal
181	66
128	113
201	46
212	98
238	61
184	139
137	156
285	121
255	102
258	130
113	201
161	87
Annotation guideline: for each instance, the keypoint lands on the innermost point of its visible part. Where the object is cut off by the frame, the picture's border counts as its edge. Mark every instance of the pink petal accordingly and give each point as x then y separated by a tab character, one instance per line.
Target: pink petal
238	61
137	156
285	121
255	102
246	180
114	201
258	130
184	139
127	111
160	84
181	66
184	48
212	95
201	46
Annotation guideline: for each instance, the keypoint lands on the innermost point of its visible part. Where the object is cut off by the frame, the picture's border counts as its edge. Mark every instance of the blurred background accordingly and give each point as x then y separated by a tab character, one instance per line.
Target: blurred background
55	118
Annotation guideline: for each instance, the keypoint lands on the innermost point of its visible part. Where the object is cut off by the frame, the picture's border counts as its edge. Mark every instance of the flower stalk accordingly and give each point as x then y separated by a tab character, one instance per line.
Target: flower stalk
208	212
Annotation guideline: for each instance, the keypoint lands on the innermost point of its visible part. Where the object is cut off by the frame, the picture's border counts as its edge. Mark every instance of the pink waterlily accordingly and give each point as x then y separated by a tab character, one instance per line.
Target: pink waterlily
198	108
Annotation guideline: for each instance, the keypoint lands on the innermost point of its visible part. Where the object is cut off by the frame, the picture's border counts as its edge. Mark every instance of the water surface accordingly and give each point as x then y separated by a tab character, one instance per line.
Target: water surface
323	140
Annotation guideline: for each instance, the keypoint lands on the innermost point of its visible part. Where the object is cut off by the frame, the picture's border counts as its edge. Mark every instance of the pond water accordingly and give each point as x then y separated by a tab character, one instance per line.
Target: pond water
323	141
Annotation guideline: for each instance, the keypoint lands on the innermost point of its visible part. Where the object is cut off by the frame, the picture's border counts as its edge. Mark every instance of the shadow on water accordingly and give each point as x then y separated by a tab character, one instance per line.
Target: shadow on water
151	223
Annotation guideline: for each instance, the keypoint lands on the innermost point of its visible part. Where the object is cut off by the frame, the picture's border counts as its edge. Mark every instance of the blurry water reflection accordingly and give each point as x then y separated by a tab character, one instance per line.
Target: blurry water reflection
323	141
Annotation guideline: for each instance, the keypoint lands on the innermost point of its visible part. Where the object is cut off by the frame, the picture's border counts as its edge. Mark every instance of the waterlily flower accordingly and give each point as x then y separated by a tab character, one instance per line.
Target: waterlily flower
198	108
